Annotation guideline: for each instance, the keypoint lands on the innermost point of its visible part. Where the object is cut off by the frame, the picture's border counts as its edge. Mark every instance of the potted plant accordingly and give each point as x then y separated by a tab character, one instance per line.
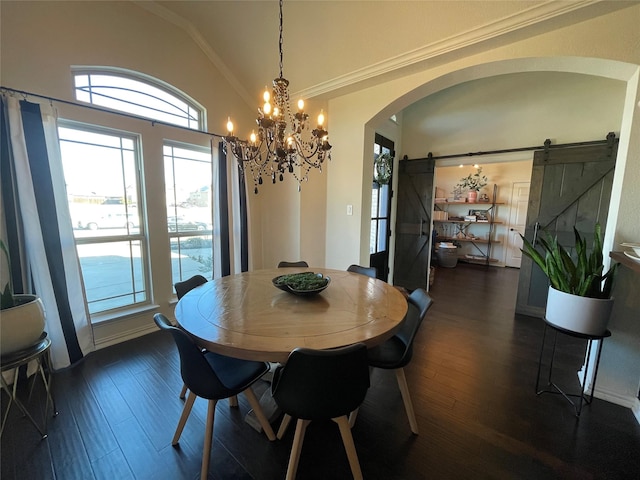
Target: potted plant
473	183
22	317
579	297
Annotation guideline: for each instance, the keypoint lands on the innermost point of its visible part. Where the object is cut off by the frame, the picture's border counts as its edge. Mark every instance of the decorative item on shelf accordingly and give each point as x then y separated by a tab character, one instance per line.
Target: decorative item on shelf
280	145
480	215
22	318
382	166
484	198
440	215
472	183
579	297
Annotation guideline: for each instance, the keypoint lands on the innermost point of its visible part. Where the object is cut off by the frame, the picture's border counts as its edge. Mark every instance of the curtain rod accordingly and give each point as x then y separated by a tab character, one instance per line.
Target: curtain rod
546	147
104	110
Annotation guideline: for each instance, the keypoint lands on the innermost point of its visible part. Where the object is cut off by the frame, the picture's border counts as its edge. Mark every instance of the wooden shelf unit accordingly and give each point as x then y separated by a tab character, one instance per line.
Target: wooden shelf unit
465	221
475	240
462	225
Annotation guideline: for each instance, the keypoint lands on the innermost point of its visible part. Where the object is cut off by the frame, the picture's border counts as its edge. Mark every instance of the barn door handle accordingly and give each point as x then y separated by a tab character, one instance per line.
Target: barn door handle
421	226
536	227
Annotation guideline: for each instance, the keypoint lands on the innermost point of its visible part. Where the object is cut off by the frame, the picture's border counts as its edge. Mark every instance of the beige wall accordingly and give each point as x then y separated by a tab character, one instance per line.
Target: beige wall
607	47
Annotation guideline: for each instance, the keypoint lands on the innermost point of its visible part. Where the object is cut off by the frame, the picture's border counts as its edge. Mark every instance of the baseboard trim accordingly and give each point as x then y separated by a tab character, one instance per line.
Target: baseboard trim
633	403
110	340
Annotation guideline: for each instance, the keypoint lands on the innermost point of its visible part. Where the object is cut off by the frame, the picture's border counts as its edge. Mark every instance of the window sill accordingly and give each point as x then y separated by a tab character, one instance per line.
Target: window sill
102	318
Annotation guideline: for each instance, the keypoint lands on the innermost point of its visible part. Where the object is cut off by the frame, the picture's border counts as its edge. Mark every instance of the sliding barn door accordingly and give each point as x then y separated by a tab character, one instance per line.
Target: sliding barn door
413	223
569	187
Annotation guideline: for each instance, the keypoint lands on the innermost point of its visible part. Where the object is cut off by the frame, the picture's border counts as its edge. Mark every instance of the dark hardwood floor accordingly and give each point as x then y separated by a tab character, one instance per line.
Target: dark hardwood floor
472	382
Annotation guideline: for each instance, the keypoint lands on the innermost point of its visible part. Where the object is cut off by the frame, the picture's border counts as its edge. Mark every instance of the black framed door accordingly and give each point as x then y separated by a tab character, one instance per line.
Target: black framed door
413	223
381	194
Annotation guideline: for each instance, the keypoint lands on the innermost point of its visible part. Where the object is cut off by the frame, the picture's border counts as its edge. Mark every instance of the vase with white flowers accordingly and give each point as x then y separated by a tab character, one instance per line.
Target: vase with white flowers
473	183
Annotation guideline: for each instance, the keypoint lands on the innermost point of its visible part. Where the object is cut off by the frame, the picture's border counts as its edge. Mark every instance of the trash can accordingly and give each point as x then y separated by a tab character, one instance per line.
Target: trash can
447	255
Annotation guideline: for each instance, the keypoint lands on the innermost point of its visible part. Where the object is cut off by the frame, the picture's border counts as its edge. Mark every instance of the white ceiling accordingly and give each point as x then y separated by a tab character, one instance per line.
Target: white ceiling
331	47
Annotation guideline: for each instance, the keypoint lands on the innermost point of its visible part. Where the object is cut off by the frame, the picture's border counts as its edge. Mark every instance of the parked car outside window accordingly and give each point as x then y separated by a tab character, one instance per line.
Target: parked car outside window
182	224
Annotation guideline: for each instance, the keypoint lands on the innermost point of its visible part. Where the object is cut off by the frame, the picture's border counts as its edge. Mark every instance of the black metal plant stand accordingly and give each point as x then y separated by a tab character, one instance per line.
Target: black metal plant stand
556	389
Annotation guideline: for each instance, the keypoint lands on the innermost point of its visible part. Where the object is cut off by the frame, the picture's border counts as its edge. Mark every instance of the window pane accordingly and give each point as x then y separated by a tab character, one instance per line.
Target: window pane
191	256
101	179
375	192
113	274
383	207
373	236
382	235
100	171
188	180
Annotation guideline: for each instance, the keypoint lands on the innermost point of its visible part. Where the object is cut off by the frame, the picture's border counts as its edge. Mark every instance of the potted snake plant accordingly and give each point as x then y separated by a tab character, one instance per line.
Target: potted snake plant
22	315
579	297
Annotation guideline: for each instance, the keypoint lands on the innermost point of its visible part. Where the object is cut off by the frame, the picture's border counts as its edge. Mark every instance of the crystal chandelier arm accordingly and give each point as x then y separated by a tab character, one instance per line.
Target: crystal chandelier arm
284	140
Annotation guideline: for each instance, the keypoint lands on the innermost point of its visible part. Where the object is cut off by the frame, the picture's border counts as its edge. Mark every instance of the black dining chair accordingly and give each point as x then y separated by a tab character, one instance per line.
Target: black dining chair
395	353
318	385
182	288
301	263
368	271
213	376
185	286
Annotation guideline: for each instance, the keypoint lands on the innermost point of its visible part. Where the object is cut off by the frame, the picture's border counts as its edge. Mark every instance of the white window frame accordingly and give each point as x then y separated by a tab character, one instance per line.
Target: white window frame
86	93
184	235
138	235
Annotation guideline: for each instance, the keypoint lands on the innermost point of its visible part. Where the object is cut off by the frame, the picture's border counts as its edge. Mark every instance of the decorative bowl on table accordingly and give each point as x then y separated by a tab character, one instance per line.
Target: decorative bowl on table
302	284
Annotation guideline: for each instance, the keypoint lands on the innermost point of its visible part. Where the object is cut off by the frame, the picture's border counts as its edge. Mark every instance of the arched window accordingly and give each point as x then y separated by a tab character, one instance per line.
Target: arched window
137	94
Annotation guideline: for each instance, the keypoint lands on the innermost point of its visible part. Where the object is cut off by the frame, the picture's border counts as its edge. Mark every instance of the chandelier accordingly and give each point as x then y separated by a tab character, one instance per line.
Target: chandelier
284	140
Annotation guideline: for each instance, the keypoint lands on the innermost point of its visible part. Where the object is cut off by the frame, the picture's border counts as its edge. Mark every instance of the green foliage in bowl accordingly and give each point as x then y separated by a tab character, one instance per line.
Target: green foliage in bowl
301	281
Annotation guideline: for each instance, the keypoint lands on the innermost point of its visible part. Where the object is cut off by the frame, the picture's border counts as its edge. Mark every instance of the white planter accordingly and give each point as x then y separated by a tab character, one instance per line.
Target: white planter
589	316
22	325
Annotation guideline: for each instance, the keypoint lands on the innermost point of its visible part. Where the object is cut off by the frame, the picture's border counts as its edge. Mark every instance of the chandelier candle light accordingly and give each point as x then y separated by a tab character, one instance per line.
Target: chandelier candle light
279	145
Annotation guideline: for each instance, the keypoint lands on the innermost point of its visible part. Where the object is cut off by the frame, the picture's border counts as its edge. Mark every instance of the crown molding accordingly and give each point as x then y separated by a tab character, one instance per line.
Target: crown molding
534	15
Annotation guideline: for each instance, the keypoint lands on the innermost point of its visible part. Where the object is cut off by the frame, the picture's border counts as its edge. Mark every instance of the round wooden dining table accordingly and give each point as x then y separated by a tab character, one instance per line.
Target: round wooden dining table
246	316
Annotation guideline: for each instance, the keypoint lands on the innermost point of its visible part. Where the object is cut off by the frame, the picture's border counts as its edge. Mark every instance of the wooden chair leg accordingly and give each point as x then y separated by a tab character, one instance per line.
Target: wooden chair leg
208	439
347	440
183	392
183	418
296	448
352	417
286	419
233	401
257	409
406	398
